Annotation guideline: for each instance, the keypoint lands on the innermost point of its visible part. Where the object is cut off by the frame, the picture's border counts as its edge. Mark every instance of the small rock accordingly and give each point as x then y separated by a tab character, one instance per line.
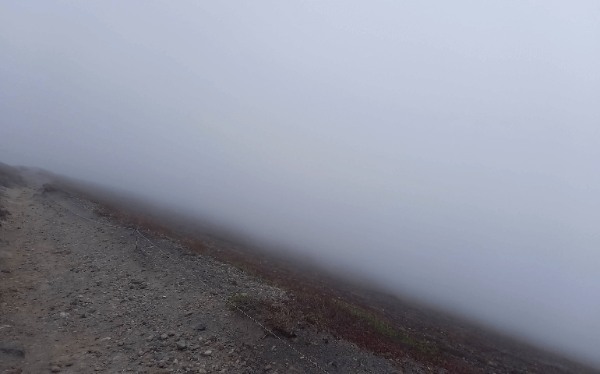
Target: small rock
200	327
12	350
207	352
63	361
163	336
55	369
181	345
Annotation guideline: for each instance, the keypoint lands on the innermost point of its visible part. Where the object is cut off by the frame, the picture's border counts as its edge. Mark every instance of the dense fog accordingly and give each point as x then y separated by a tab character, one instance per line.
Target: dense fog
447	150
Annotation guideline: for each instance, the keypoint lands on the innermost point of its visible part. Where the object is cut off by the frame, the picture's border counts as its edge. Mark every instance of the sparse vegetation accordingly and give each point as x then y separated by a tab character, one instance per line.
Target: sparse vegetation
276	316
243	302
383	327
310	303
315	302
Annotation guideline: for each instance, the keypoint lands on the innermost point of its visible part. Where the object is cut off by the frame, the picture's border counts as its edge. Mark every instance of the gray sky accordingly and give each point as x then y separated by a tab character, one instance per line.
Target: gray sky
449	150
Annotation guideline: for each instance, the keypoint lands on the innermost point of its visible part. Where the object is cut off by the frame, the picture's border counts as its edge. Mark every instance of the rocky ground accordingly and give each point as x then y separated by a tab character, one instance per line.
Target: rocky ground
83	292
79	293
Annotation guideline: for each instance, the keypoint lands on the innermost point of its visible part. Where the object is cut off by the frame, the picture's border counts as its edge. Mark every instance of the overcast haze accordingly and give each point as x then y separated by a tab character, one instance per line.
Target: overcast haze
448	150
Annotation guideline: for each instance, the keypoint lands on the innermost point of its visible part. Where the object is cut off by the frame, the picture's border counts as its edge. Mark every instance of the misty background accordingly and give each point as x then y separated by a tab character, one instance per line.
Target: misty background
446	150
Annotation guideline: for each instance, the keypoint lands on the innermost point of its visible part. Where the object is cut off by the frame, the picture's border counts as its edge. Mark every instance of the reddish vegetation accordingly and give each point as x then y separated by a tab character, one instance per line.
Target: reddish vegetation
313	301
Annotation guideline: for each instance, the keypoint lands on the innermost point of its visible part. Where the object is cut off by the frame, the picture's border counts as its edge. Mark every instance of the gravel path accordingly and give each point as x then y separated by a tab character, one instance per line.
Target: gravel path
79	295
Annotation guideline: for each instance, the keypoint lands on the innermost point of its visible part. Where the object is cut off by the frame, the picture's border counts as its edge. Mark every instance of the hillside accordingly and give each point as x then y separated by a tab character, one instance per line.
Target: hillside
88	285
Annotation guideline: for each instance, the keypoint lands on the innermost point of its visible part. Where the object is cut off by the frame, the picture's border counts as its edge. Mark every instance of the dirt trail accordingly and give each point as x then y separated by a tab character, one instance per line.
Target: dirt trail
80	296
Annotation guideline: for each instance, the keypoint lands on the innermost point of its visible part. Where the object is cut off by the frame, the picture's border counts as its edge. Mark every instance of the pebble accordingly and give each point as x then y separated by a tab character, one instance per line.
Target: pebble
181	344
